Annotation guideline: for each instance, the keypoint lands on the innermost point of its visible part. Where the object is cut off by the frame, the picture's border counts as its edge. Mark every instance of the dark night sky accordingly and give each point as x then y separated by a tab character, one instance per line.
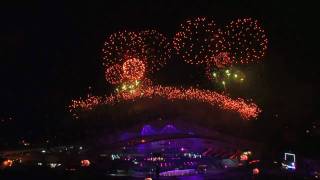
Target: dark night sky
50	53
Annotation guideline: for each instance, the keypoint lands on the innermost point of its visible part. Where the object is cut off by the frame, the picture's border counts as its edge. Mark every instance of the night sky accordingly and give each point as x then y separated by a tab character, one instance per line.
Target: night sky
50	53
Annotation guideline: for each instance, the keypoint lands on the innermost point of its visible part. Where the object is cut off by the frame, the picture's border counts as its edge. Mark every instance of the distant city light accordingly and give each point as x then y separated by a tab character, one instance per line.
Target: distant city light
85	163
244	157
192	155
7	163
115	156
54	165
255	171
289	161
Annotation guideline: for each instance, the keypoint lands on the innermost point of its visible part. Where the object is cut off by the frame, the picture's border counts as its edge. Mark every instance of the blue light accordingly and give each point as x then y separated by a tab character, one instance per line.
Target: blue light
289	165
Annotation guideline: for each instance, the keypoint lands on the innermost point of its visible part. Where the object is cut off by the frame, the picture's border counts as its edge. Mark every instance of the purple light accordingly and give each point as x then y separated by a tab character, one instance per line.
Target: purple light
182	172
169	129
147	130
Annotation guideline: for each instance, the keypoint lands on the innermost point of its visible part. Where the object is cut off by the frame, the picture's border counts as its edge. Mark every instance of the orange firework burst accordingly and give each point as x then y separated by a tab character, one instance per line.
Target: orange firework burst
133	69
222	60
121	46
198	40
157	49
114	74
245	41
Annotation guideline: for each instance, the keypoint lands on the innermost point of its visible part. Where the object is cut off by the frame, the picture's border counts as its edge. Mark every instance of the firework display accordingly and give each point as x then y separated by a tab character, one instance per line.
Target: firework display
223	77
245	109
114	74
245	41
198	40
133	69
89	103
121	46
157	49
129	57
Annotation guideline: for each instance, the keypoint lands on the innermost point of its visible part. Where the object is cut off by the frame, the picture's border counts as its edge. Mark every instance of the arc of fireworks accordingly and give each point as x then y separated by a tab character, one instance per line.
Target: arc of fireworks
247	110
